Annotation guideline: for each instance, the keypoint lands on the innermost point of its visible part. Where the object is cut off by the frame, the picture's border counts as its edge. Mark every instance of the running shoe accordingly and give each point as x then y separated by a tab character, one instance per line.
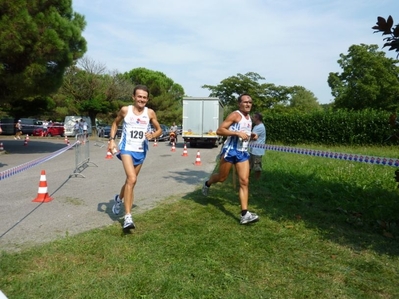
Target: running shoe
116	208
205	189
128	222
249	218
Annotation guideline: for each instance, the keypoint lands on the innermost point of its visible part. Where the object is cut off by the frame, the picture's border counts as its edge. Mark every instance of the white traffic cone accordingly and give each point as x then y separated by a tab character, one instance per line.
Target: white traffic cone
185	154
198	159
42	193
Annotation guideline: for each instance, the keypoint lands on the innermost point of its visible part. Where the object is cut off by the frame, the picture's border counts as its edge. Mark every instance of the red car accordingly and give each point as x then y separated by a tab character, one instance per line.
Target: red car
53	129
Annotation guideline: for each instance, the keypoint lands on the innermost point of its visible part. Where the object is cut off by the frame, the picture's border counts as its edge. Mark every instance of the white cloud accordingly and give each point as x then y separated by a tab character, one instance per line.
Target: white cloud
203	42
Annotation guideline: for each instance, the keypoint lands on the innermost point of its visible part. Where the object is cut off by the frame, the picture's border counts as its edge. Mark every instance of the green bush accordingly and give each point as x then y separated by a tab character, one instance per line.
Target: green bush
366	127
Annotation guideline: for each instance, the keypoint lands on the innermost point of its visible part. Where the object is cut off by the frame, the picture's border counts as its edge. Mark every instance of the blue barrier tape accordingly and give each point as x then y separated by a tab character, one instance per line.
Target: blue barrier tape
327	154
20	168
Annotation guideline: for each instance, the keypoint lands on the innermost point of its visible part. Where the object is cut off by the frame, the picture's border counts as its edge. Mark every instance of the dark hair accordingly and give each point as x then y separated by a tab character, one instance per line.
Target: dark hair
141	87
259	116
240	97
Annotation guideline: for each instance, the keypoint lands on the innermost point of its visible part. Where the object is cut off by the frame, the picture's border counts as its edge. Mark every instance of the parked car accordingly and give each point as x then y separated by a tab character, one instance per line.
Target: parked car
8	126
106	130
28	125
53	129
165	132
179	130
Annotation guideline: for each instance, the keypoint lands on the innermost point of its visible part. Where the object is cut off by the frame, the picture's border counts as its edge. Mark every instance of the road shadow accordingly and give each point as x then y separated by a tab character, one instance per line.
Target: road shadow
33	146
188	176
106	208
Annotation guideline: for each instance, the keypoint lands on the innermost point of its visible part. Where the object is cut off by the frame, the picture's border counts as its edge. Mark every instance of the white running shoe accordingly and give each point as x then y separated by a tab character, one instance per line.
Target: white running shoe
116	208
128	222
249	218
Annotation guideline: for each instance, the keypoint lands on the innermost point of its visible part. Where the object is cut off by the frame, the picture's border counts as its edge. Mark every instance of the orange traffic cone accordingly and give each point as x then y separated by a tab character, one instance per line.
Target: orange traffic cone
42	194
198	159
185	154
25	142
109	155
1	146
173	147
27	137
155	142
66	139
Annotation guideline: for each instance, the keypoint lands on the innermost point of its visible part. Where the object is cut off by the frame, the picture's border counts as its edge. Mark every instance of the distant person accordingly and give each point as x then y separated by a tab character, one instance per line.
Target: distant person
173	133
173	128
81	126
256	153
237	128
45	127
18	130
84	128
133	146
76	128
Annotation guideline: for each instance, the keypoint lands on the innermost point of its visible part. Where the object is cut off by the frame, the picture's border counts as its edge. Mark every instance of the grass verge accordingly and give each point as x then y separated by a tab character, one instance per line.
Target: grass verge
328	229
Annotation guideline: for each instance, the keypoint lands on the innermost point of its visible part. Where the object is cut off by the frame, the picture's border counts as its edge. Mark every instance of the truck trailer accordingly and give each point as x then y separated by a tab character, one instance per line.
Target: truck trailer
202	116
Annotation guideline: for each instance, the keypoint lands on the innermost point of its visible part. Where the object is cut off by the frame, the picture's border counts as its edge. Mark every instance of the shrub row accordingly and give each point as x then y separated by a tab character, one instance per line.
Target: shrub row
366	127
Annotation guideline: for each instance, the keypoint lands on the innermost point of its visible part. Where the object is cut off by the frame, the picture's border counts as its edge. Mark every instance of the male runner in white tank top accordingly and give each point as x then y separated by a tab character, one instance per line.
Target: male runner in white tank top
133	146
237	127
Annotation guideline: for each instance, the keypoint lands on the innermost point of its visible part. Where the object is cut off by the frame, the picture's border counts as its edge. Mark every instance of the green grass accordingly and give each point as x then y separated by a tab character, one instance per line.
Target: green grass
328	229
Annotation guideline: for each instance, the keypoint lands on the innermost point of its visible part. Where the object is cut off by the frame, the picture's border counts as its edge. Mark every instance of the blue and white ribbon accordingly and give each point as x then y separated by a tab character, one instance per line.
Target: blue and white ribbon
20	168
327	154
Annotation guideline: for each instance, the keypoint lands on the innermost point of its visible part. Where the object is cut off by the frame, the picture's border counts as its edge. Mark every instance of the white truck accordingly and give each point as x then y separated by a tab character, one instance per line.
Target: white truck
201	118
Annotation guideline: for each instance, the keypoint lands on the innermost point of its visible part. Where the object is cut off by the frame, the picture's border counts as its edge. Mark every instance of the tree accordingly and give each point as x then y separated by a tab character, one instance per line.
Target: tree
165	95
230	88
368	80
89	90
303	100
35	107
385	26
38	41
264	95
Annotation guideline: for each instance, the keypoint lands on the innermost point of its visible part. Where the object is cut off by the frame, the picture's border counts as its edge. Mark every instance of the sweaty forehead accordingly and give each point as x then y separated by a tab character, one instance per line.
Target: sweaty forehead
246	98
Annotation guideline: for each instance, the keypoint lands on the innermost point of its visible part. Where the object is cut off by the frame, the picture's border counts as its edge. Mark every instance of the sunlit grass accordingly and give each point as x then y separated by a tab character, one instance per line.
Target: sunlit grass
328	229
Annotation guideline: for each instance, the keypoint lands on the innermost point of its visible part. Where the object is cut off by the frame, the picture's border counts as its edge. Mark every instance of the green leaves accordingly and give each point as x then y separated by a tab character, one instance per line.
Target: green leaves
264	95
38	41
165	94
330	127
368	80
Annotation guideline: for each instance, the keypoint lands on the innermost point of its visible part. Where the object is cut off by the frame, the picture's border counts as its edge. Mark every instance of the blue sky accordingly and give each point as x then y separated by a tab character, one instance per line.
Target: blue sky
288	42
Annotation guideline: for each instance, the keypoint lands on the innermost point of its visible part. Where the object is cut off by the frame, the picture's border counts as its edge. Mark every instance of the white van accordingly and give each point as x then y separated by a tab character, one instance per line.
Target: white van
70	121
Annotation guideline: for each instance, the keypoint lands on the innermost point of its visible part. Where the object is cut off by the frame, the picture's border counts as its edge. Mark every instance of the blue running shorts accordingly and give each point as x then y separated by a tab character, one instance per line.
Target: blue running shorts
233	156
137	157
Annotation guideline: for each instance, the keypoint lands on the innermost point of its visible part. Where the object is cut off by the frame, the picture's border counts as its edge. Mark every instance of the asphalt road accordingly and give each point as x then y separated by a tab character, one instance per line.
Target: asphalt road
83	203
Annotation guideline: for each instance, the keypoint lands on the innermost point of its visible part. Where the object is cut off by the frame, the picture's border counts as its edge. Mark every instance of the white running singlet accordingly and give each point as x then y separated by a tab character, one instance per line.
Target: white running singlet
234	142
134	129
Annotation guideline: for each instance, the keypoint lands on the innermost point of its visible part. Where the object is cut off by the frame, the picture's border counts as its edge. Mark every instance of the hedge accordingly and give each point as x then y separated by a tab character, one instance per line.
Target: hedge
366	127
